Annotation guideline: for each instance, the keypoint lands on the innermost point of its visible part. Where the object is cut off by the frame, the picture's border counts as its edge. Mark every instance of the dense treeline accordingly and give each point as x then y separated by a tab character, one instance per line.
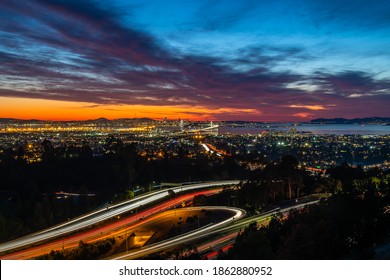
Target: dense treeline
277	182
352	224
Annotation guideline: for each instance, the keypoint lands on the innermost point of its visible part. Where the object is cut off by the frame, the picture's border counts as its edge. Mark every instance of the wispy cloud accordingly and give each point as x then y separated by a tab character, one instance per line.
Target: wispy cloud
310	107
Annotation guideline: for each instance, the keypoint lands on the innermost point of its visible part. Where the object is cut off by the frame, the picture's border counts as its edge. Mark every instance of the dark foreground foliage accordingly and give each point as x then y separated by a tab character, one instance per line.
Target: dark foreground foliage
348	225
85	251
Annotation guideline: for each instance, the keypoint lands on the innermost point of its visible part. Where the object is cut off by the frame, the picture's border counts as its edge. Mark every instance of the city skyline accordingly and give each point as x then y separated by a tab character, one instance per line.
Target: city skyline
198	60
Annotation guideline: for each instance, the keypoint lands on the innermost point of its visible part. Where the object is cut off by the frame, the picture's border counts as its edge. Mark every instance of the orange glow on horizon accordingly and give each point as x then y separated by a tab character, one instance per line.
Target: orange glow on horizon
43	109
303	115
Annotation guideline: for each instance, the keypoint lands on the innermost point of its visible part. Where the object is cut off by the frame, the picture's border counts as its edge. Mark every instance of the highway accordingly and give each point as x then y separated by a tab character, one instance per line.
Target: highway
210	248
233	224
63	239
227	240
116	229
103	214
188	237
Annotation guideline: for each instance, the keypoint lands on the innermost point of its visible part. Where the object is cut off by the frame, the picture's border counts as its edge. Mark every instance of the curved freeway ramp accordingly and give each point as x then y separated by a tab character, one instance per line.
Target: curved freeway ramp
101	215
187	237
235	223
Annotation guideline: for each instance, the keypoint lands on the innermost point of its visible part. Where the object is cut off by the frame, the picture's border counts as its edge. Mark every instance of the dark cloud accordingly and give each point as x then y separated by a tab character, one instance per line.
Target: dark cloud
347	83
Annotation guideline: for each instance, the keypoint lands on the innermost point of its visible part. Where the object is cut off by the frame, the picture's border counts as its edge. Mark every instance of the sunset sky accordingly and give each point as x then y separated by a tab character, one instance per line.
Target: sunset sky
269	60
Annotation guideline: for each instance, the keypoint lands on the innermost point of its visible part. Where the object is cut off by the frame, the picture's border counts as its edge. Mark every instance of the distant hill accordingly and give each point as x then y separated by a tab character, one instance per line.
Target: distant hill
372	120
136	119
8	120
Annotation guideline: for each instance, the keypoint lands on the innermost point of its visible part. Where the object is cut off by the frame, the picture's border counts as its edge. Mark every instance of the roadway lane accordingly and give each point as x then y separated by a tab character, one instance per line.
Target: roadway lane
210	249
121	230
113	229
221	228
185	238
103	215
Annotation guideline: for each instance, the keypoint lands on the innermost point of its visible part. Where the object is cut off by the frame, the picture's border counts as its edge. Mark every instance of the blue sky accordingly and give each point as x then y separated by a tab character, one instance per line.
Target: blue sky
254	60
